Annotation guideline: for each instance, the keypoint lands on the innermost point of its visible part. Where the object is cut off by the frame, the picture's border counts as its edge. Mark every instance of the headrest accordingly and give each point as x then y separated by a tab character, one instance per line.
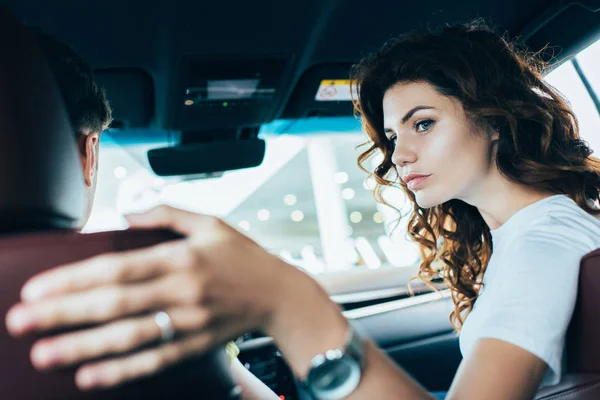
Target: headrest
583	352
41	181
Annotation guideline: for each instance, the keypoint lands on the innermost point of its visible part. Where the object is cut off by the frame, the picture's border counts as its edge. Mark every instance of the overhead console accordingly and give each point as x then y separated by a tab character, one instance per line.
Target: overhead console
218	111
229	93
324	90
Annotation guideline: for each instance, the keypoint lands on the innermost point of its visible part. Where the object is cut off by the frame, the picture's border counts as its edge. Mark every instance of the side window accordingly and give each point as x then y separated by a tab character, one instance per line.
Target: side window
579	81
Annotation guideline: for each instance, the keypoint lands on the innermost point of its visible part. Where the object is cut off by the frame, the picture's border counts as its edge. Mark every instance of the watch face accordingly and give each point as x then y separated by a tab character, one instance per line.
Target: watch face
332	374
335	378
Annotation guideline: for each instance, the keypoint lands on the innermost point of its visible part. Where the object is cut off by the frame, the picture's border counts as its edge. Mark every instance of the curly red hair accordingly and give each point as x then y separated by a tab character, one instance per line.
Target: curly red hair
501	88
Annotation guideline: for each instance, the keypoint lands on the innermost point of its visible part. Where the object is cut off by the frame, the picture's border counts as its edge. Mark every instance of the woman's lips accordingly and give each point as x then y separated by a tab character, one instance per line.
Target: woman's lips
416	183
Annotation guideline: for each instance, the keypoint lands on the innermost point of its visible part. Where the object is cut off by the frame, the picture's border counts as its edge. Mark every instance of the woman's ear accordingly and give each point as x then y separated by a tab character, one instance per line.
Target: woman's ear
493	128
495	135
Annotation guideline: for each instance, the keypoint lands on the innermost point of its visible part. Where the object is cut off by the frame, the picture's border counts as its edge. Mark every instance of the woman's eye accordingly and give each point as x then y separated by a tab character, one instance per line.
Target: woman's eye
393	140
424	125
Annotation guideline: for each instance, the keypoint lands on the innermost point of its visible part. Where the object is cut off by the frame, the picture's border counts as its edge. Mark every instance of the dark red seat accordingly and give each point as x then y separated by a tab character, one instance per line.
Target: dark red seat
582	380
41	201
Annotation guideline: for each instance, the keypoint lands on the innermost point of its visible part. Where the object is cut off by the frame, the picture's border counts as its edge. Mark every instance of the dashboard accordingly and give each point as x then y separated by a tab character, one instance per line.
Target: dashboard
260	355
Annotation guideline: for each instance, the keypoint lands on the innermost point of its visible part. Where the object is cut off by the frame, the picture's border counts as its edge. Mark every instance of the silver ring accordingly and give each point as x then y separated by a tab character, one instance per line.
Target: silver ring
167	331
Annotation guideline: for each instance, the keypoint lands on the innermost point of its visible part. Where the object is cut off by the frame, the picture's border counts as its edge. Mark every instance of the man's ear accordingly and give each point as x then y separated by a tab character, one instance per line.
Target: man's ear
88	150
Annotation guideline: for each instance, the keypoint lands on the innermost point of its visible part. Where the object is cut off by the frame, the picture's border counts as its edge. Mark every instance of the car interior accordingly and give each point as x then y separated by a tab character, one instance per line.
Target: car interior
202	91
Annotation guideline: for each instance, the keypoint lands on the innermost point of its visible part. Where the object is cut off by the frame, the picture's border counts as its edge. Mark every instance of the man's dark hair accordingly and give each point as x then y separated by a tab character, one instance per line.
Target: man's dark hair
85	100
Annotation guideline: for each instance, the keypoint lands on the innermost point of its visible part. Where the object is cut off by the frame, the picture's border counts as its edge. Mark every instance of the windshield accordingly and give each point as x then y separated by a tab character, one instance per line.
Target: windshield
308	202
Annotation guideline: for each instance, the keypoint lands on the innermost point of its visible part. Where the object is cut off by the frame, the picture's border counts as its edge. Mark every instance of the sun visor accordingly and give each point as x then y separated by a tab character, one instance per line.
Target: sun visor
131	96
323	91
227	93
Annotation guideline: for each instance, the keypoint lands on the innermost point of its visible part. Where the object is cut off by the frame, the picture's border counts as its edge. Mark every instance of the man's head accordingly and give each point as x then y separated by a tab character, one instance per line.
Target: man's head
85	102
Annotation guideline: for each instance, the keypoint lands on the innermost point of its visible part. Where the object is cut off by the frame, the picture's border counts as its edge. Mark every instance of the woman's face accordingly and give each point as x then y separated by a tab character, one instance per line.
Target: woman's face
434	139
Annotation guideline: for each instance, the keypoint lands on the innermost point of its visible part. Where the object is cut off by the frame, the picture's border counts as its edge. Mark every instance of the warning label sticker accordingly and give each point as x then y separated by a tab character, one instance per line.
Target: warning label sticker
336	90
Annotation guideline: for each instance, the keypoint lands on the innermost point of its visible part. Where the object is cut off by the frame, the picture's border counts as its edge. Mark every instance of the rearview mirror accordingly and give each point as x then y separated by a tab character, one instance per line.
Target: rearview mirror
207	157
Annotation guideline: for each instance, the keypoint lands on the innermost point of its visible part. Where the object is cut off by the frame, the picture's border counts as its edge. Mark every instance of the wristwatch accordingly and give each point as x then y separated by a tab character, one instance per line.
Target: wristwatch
335	374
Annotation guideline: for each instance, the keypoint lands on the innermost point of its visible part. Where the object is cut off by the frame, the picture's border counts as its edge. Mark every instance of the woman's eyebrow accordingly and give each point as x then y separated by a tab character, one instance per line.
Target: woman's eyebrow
408	115
414	110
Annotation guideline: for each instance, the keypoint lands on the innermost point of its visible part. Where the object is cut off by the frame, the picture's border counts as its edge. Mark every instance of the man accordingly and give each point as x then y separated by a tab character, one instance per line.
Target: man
86	105
90	114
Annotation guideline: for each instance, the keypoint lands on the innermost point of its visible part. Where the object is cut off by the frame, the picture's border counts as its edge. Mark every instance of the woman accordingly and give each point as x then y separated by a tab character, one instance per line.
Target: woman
503	194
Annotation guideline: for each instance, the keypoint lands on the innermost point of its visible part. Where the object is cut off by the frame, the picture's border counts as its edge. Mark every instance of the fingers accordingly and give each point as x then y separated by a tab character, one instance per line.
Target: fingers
119	370
167	217
114	268
114	338
104	304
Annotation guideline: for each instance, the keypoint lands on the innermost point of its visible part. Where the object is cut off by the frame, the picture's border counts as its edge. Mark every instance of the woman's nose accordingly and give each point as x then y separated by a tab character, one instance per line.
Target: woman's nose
403	155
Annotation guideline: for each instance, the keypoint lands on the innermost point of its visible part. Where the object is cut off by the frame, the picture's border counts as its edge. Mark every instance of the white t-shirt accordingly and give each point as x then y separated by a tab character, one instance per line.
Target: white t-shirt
530	285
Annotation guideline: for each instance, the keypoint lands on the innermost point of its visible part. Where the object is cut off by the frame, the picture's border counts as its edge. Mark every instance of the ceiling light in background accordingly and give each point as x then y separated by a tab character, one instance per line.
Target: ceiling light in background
290	200
297	216
369	183
120	172
263	215
356	217
340	177
348	194
378	218
189	102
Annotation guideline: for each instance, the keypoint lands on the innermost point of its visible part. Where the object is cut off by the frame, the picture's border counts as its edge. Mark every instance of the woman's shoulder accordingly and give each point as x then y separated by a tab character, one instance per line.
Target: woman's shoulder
558	237
564	205
565	225
560	222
